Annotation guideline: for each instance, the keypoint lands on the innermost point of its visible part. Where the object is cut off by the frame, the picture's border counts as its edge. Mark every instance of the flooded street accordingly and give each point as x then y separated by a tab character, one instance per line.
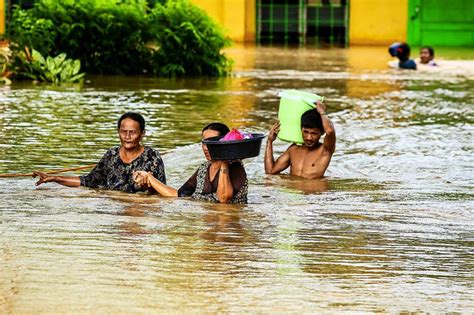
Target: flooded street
391	228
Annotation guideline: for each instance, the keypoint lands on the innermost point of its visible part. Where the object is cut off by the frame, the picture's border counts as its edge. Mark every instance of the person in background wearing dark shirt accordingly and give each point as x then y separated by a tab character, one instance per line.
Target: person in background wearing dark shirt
402	52
215	180
115	169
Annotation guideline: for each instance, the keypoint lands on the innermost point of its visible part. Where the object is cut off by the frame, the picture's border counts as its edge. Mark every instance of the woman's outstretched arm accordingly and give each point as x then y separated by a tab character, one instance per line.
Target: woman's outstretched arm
162	189
70	181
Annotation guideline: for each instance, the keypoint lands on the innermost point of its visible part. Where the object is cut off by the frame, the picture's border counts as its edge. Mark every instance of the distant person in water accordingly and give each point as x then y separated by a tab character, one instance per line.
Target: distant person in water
311	159
427	56
216	181
115	169
402	52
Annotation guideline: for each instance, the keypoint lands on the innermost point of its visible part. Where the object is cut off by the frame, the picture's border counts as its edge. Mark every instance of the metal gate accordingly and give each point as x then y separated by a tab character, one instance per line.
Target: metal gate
303	21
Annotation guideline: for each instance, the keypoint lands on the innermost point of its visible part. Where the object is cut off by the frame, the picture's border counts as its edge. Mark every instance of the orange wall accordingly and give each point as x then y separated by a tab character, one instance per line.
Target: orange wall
378	22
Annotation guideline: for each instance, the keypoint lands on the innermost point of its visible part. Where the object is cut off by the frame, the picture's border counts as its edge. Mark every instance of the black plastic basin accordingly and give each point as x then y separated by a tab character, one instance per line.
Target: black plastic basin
234	149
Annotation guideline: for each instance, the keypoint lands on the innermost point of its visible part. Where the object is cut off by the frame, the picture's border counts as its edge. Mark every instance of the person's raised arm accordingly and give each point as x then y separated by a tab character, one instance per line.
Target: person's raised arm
330	138
162	189
272	166
94	179
70	181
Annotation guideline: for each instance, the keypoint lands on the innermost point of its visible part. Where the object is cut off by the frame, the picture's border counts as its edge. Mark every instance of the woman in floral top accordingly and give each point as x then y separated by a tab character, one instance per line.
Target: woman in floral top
115	169
214	180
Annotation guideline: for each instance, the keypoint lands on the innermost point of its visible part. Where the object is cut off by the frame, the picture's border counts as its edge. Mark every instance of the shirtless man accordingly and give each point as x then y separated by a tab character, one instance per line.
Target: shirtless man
311	159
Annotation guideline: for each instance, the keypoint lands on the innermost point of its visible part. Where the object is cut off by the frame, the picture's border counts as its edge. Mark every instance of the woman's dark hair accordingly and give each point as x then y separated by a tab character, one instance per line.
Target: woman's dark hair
133	116
430	50
312	119
216	126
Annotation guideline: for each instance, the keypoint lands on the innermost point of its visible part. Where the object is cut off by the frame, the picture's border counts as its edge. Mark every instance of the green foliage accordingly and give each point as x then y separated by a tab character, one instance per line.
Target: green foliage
152	3
27	30
107	37
56	70
5	56
188	40
125	36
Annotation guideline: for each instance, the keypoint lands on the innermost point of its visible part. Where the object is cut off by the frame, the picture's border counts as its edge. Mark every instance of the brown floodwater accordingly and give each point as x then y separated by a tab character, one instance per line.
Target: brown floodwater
389	230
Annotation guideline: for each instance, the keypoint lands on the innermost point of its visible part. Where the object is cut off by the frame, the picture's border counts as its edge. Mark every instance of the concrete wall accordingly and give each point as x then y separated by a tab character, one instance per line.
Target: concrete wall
2	16
236	16
377	22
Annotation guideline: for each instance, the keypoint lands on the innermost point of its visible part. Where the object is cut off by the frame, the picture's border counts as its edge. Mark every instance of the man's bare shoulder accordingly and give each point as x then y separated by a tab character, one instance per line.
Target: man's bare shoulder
293	148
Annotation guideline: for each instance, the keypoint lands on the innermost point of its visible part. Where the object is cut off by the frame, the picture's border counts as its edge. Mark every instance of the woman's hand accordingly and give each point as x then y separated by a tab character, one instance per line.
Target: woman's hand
141	178
274	131
43	178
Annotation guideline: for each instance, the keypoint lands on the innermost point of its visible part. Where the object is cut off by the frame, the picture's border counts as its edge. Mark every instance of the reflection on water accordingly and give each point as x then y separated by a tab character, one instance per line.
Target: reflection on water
388	230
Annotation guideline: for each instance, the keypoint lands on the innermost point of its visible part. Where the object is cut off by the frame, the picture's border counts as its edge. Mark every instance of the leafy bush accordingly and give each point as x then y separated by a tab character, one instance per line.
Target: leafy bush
125	37
56	70
27	30
107	37
188	40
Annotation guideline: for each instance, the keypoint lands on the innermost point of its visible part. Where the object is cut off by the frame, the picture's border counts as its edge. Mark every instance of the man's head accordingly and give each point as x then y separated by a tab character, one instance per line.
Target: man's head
426	54
311	127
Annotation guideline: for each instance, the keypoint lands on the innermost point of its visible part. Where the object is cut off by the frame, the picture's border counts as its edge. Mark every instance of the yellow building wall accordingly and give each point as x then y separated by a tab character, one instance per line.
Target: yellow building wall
377	22
2	16
237	17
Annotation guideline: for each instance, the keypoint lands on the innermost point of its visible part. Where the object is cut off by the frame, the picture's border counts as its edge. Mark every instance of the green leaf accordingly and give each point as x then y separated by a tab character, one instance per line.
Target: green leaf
76	67
37	56
59	59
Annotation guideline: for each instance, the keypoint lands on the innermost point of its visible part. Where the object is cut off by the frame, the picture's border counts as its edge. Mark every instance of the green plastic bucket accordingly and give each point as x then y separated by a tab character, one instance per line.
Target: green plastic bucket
293	104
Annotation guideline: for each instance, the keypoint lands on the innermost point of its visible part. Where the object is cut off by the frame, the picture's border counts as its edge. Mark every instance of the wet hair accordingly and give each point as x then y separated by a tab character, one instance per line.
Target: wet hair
133	116
216	126
403	52
400	50
430	50
312	119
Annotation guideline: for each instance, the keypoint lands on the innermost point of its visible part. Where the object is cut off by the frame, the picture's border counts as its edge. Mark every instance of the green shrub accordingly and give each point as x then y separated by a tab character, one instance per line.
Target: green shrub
188	41
108	37
56	70
125	36
33	32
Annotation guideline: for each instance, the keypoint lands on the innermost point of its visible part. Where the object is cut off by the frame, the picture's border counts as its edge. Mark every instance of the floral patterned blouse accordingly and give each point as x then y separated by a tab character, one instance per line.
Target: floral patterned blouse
112	173
200	187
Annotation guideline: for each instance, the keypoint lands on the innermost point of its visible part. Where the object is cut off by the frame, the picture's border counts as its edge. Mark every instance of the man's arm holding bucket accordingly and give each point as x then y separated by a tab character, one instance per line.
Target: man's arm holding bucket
272	166
330	138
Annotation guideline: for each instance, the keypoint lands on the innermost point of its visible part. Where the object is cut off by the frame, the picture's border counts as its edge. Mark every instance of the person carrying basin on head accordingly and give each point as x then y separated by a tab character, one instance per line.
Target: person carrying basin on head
312	158
219	181
115	169
402	52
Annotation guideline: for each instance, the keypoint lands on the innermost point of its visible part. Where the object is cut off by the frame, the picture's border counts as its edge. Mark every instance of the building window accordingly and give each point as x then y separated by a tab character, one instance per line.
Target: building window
302	21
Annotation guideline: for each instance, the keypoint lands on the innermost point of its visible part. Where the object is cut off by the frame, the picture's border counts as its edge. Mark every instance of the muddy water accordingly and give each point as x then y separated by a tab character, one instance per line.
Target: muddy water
389	230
